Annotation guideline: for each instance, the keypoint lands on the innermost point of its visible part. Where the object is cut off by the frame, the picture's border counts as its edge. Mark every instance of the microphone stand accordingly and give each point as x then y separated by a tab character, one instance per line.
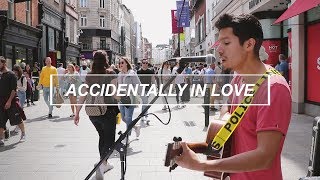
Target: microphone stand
118	145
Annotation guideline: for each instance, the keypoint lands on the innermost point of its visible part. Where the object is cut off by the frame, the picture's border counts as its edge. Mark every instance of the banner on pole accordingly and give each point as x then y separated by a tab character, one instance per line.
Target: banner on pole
174	21
183	9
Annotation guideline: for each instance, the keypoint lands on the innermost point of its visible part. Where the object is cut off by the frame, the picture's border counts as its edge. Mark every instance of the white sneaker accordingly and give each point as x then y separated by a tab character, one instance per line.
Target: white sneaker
103	169
23	138
1	142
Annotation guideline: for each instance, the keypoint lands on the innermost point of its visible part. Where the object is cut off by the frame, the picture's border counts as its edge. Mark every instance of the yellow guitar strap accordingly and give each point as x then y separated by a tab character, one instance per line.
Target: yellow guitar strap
225	132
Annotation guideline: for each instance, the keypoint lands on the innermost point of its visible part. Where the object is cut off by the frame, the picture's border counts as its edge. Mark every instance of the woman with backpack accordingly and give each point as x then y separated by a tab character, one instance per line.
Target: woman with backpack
102	117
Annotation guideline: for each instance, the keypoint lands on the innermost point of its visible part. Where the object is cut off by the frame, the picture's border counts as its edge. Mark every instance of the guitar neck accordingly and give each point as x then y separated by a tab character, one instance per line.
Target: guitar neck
198	147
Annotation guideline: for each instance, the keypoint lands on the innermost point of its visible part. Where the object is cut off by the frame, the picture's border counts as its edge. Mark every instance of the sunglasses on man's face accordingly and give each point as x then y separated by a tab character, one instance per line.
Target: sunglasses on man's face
122	62
145	63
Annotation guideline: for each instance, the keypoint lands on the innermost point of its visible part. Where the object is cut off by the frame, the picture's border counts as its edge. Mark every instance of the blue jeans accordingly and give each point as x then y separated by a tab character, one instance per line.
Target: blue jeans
46	96
22	97
126	114
144	101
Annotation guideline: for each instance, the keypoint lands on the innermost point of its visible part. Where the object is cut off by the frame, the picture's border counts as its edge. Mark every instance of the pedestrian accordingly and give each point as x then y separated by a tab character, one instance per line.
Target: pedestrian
127	76
35	70
284	67
30	89
72	78
28	70
9	106
21	84
84	70
257	142
164	77
61	72
178	80
210	80
146	76
45	85
104	123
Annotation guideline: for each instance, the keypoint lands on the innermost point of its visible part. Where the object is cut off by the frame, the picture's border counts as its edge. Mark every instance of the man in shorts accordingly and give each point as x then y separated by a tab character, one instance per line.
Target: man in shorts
9	109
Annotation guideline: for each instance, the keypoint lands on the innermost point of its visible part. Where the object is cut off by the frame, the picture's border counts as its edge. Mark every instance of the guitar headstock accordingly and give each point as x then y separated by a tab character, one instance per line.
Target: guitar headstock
173	150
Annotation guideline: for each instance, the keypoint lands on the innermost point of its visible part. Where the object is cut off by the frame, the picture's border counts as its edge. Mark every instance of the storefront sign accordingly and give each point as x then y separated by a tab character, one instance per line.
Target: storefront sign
313	63
253	3
273	49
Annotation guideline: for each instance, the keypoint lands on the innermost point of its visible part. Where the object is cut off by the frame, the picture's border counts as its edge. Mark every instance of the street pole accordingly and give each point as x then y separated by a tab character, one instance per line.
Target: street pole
179	27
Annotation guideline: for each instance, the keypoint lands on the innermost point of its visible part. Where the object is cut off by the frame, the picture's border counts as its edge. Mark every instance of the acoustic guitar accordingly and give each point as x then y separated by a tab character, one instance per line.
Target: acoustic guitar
174	149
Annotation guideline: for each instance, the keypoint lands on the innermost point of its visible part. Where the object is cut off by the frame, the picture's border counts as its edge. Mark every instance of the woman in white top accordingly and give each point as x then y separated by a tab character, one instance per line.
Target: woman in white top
127	76
21	84
72	77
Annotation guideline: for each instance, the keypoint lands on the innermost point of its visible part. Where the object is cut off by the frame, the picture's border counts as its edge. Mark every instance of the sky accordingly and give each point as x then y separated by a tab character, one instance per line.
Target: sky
155	18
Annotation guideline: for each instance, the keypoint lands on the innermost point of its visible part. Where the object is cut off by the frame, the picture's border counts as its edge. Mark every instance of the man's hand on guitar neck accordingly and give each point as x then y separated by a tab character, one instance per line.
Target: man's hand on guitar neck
189	159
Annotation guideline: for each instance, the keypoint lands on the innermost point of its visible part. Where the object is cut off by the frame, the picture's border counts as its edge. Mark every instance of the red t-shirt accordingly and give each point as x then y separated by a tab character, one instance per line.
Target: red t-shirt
275	117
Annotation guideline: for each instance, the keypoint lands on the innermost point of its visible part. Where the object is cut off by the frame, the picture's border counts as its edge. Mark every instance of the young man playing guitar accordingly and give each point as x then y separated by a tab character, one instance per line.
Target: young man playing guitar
257	142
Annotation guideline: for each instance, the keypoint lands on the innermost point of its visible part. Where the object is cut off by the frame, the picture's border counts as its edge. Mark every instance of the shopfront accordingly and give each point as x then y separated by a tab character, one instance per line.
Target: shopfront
52	45
313	56
19	43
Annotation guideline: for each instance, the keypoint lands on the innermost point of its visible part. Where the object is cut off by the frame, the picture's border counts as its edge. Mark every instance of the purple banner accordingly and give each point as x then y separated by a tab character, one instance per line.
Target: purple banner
183	13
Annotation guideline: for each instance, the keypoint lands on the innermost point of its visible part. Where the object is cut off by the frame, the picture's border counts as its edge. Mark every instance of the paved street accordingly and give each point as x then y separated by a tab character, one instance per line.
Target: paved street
57	149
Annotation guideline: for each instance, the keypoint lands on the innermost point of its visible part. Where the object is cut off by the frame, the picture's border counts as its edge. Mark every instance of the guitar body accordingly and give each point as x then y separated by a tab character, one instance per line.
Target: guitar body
174	149
224	152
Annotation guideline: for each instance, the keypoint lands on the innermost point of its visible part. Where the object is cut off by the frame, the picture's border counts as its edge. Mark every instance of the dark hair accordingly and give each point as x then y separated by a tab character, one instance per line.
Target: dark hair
18	69
244	26
3	60
127	61
99	64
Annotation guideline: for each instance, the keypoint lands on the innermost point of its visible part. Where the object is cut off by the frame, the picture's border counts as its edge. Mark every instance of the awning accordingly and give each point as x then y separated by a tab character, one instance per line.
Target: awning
216	44
298	7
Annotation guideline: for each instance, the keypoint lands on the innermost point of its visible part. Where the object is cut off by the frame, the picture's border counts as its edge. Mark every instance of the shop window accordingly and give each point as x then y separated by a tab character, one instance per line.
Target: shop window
313	14
28	13
83	20
270	32
102	21
51	38
102	2
83	3
9	56
11	9
67	26
21	55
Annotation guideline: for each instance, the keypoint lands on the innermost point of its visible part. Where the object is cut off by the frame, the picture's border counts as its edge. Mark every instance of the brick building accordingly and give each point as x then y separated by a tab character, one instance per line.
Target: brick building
19	33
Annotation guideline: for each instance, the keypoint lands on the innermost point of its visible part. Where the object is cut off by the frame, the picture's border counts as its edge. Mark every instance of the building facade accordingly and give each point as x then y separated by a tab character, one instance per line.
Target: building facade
20	34
72	32
99	23
52	22
125	29
198	8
